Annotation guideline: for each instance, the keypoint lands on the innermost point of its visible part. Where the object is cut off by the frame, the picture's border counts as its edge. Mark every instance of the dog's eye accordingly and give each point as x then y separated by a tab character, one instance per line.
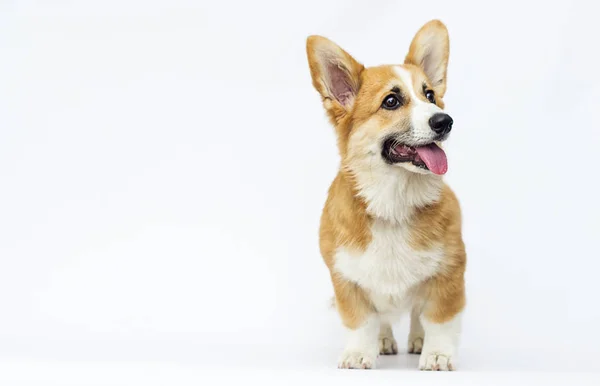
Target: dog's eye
430	96
391	102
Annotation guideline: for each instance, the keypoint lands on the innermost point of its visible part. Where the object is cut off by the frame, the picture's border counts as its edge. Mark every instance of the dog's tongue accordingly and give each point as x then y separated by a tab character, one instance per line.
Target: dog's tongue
434	158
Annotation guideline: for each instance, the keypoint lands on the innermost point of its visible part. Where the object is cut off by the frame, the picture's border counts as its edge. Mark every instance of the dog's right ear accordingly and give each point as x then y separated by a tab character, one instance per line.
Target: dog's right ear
335	75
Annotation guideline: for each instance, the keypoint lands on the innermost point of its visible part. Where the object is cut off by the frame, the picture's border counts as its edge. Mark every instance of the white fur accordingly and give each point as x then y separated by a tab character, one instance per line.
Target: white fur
361	347
416	335
441	340
421	111
387	343
392	193
389	269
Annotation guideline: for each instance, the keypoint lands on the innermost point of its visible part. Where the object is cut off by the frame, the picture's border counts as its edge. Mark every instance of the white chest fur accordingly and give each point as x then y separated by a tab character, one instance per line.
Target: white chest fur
389	268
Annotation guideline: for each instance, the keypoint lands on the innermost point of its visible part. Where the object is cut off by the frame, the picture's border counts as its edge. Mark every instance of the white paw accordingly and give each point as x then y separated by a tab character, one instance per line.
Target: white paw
356	360
434	361
388	346
415	345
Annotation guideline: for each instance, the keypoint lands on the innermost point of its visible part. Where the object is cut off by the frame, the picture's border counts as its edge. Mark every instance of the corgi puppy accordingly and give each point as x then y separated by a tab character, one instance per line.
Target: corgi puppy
390	231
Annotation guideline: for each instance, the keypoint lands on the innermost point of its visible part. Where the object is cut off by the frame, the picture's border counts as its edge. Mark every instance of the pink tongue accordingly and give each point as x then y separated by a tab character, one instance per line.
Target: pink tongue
434	158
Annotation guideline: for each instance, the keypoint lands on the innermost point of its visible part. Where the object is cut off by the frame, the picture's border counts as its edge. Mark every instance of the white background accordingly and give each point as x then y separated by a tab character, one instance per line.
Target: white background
163	166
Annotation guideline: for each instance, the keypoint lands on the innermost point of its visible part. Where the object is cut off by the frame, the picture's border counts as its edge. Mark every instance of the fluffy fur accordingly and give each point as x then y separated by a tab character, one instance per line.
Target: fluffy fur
390	234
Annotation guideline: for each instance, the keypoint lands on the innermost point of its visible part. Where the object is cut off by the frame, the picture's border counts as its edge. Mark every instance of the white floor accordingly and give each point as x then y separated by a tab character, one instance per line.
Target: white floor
186	364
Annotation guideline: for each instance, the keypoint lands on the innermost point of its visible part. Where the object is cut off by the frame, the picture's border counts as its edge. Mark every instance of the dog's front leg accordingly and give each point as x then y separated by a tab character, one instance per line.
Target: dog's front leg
362	322
387	343
416	337
441	321
441	341
362	346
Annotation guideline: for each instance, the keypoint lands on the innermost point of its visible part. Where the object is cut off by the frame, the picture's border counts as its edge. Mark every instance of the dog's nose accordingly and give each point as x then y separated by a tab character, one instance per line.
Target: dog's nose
441	123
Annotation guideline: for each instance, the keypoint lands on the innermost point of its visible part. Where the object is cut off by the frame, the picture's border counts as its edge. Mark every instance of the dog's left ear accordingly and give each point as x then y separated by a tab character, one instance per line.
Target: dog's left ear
429	50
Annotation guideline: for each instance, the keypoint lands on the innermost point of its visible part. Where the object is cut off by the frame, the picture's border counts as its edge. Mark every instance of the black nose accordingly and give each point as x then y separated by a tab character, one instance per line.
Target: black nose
441	123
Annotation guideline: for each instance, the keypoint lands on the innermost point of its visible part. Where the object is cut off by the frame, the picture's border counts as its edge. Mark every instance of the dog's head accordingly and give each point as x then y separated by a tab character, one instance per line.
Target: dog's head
391	116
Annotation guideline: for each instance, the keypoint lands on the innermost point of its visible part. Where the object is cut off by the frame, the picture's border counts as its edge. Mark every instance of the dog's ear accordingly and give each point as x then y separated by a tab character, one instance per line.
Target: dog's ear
335	75
429	50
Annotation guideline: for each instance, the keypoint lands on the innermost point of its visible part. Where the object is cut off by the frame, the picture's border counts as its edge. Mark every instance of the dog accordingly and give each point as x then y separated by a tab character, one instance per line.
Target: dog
390	230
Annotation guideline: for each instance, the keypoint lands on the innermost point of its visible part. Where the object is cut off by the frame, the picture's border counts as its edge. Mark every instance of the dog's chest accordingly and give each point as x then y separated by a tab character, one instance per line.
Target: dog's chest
389	267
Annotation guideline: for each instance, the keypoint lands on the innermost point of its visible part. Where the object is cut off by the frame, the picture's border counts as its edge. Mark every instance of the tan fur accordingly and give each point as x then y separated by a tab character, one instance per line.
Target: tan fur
351	301
345	221
321	49
441	223
418	46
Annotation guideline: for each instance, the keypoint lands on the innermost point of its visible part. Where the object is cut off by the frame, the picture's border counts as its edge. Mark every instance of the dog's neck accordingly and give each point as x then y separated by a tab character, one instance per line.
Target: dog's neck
394	196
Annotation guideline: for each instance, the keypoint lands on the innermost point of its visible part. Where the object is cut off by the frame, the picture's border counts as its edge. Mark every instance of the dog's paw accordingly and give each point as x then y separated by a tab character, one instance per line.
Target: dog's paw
415	345
356	360
434	361
388	346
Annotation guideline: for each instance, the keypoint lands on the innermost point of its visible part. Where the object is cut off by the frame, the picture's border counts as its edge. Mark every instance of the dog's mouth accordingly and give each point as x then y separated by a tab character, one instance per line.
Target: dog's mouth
429	157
